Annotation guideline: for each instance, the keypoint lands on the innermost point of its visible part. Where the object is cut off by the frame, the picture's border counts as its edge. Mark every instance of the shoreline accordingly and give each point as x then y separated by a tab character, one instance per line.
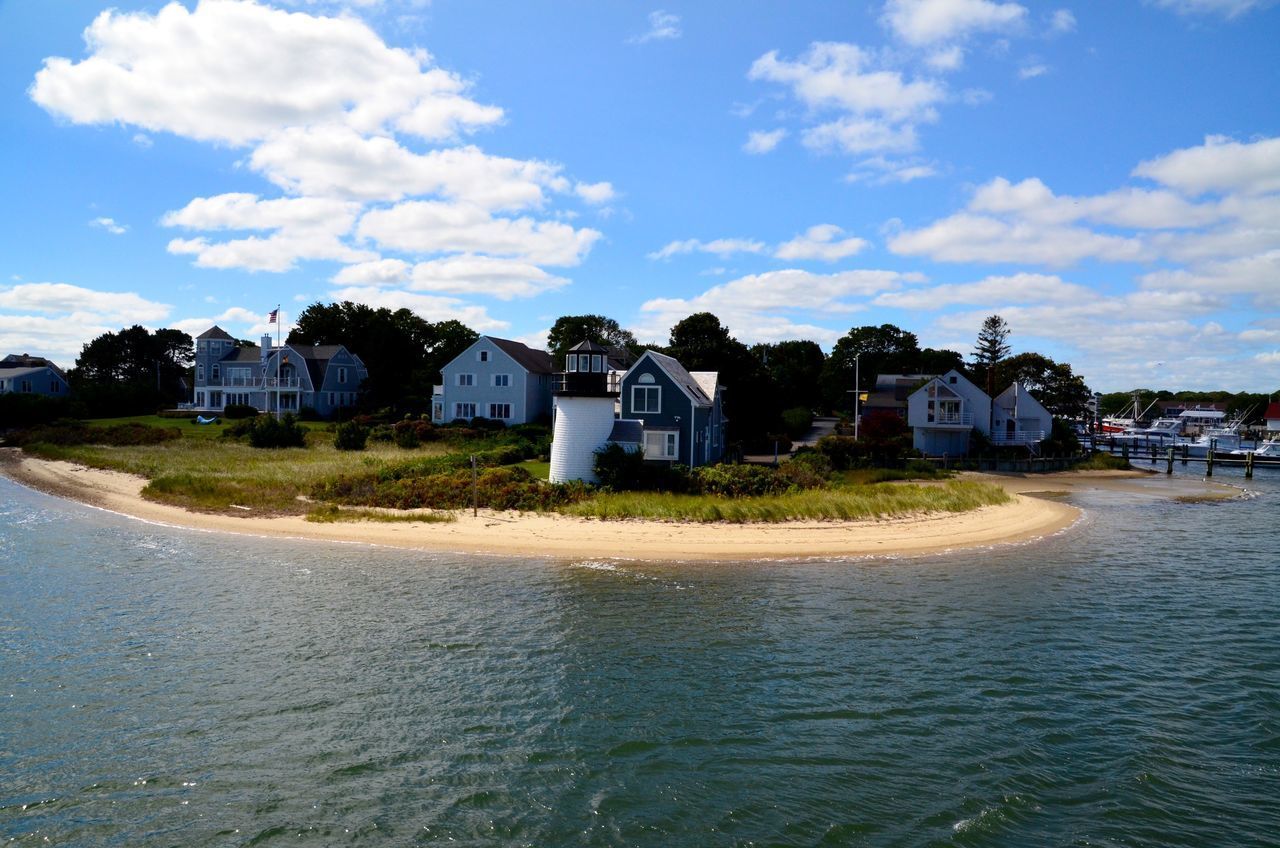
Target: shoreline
555	536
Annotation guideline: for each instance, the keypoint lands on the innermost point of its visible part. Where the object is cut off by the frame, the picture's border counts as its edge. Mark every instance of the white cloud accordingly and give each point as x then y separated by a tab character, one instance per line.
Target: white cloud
991	291
304	228
334	160
431	307
976	238
1032	71
925	22
878	109
820	242
434	227
1226	8
471	275
1062	21
723	247
880	170
949	58
1257	275
235	72
377	272
110	225
1219	165
663	26
595	193
763	141
82	304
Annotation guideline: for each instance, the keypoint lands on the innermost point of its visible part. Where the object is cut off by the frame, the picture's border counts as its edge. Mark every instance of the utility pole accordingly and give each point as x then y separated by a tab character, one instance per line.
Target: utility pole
857	392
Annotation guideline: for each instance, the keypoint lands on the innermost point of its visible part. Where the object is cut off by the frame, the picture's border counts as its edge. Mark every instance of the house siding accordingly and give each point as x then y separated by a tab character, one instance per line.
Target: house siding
529	394
42	381
700	428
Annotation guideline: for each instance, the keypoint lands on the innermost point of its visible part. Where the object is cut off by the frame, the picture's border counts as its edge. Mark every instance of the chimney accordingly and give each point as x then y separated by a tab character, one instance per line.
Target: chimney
266	347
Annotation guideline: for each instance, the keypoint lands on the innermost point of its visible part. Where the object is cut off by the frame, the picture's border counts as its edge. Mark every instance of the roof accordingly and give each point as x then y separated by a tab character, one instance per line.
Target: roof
247	353
708	381
680	377
533	361
942	380
588	347
627	431
1273	411
26	361
25	372
216	332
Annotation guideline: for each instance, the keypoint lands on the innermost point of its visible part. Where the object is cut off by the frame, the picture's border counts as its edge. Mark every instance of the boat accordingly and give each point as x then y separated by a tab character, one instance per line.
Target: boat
1265	455
1221	440
1162	433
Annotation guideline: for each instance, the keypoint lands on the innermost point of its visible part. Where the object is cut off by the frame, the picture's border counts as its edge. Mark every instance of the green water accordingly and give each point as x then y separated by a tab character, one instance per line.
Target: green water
1116	685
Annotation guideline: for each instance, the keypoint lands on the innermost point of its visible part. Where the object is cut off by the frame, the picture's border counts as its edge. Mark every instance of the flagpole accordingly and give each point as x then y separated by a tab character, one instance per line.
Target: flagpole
279	356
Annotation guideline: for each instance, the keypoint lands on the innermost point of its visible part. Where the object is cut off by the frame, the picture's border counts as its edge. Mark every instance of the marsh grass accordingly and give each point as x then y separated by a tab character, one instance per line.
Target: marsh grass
842	504
332	514
212	475
1101	461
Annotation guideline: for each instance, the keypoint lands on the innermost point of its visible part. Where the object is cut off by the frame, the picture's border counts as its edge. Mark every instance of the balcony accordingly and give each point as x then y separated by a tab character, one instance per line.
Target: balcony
281	383
586	384
950	419
1018	437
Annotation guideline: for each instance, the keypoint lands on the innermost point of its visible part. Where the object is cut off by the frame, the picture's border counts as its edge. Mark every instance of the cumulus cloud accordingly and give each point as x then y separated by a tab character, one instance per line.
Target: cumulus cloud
595	193
55	320
431	307
925	22
991	291
1062	21
421	226
763	141
110	225
235	72
1226	8
820	242
1219	165
483	276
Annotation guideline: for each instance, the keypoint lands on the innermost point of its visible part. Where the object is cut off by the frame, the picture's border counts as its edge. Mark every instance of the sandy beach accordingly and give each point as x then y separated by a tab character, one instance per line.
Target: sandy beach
547	535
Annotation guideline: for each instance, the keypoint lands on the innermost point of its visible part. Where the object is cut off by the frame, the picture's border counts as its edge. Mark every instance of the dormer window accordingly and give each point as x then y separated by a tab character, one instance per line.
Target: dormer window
482	356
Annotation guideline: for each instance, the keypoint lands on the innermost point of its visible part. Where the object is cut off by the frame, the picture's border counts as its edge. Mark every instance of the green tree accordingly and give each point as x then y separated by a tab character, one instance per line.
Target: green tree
568	330
132	371
701	343
1058	389
403	351
886	349
795	367
993	346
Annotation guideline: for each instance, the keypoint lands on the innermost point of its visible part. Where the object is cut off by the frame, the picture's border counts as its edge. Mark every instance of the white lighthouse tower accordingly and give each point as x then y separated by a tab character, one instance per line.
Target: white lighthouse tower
583	395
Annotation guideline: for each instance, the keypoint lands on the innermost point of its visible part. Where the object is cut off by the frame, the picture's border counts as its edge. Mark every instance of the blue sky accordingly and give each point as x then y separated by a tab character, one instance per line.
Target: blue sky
1106	176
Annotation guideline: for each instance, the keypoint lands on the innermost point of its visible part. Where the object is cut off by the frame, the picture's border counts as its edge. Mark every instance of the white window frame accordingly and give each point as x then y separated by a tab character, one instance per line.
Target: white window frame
662	444
495	410
500	381
482	356
639	391
464	409
466	380
571	362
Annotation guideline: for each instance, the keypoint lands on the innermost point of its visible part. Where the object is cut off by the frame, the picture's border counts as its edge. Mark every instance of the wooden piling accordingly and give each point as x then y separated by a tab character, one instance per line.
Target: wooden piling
1208	461
1169	468
1248	466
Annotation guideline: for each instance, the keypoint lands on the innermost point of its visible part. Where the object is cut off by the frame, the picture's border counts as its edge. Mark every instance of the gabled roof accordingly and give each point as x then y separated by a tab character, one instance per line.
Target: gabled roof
944	380
14	373
533	361
1273	411
682	378
1005	400
708	381
216	332
27	361
248	353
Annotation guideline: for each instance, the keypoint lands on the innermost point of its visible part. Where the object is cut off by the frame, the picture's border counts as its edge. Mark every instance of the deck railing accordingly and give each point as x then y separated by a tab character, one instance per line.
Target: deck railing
1018	437
956	419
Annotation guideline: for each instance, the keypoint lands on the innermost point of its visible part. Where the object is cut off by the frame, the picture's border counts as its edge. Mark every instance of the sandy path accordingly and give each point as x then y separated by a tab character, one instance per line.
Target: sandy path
527	534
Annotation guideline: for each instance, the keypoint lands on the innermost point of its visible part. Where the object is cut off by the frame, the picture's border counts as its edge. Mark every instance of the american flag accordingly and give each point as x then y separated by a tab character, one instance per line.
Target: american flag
271	319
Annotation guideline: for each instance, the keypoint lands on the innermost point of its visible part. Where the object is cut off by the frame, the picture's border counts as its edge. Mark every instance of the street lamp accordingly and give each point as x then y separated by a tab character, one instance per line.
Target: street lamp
857	393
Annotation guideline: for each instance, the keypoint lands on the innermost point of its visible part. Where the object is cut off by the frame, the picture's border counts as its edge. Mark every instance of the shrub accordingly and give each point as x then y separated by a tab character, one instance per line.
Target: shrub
841	452
308	413
796	421
265	431
237	411
625	471
350	436
77	433
406	434
382	433
494	488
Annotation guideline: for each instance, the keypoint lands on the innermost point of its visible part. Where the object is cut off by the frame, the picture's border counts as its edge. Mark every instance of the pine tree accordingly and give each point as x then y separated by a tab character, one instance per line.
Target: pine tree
993	346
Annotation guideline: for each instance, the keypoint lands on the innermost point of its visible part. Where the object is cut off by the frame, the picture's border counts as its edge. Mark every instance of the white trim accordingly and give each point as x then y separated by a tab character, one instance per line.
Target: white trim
646	389
460	408
493	381
466	380
667	442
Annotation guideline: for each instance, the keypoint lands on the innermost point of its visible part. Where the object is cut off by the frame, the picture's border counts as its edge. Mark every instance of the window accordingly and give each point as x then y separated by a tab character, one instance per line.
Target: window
482	356
199	372
437	411
464	410
216	373
501	381
661	444
646	399
466	379
332	401
342	375
571	362
54	388
24	386
500	410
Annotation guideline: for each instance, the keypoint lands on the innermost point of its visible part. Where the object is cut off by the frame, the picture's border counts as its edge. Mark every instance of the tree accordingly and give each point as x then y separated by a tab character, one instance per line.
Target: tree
886	349
403	351
132	371
701	343
993	346
795	368
568	330
1058	389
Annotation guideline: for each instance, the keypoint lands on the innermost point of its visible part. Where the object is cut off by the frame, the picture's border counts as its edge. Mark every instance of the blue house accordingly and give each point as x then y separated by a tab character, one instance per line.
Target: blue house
682	412
31	375
495	378
287	378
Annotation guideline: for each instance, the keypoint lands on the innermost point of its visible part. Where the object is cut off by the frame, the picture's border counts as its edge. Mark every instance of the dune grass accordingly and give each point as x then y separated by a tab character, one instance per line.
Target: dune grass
844	503
1102	461
217	475
331	514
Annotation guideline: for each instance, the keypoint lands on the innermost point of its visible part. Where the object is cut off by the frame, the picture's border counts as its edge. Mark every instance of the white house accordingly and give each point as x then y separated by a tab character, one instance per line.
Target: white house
944	412
495	378
1017	418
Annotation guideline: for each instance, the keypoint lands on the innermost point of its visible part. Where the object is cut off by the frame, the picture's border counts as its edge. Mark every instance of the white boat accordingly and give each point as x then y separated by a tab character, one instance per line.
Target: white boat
1266	450
1217	439
1162	433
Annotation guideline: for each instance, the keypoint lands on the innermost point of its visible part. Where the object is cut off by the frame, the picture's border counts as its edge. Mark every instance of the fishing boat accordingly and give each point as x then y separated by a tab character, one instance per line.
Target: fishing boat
1265	455
1162	433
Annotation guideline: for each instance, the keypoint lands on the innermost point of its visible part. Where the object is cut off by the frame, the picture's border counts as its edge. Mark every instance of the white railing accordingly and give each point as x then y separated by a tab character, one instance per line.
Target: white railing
281	382
1018	437
958	419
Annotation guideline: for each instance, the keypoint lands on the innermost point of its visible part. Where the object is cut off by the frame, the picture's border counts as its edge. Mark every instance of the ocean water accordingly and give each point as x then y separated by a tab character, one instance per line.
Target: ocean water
1116	685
